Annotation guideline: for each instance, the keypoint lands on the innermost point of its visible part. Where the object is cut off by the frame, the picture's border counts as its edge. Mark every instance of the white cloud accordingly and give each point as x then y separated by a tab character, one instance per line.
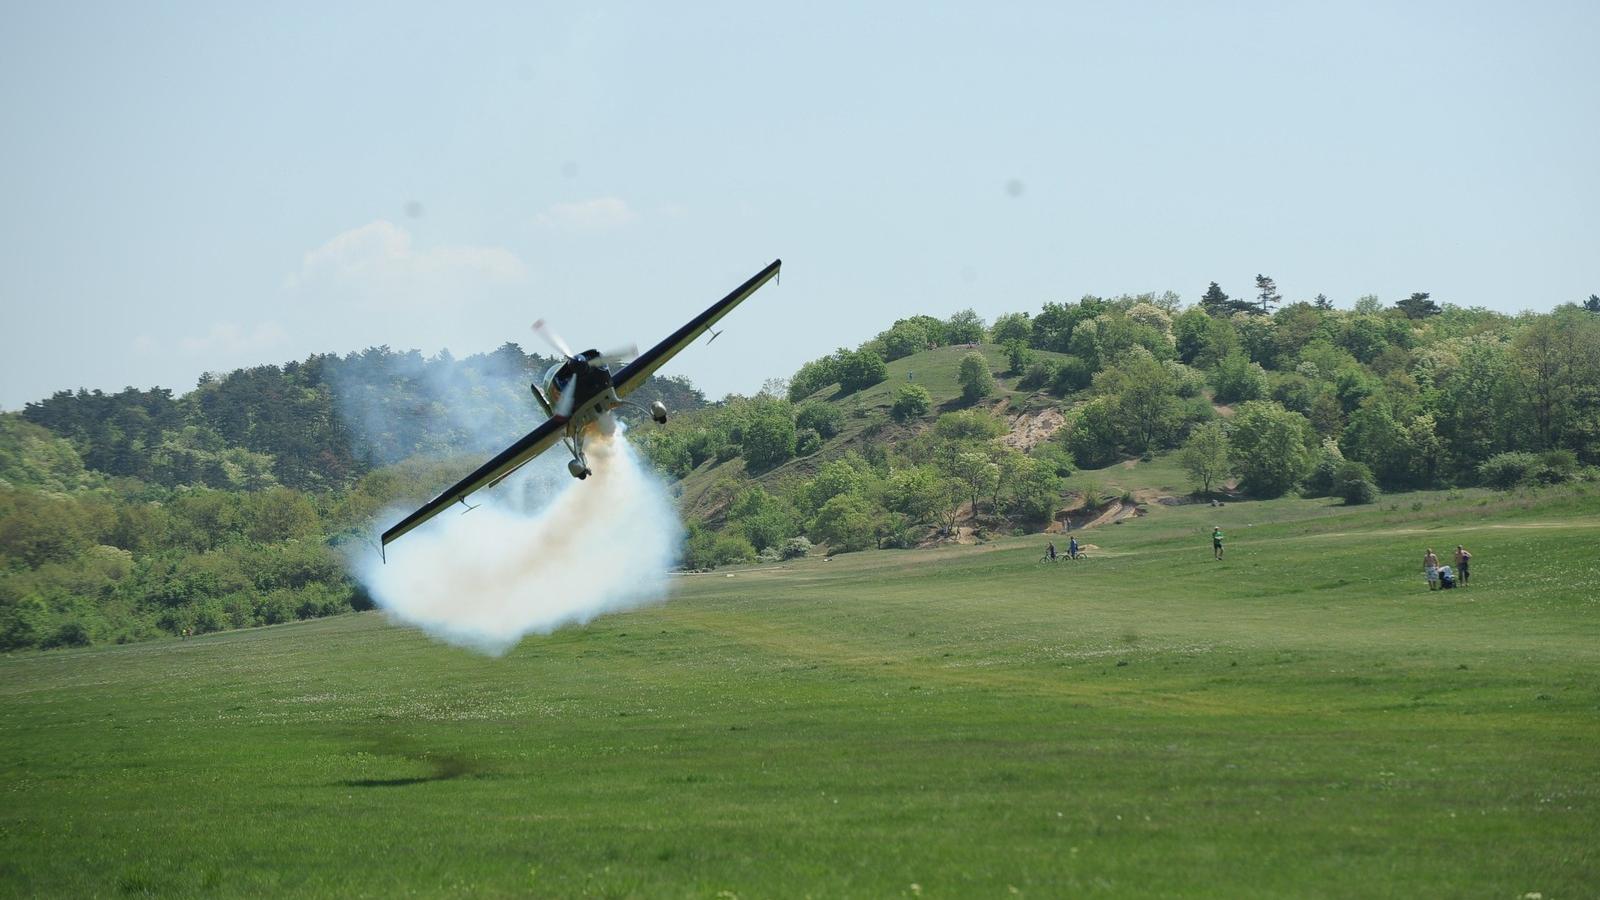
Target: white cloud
378	262
224	340
589	215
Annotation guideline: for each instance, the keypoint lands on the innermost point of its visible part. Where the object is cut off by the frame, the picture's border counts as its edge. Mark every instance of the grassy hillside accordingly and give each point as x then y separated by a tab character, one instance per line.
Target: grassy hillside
866	417
1301	718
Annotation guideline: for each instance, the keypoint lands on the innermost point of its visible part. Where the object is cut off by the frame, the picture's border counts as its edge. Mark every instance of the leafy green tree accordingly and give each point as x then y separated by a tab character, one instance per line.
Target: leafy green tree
768	435
847	522
1034	491
965	327
1093	433
765	520
919	493
1353	483
1145	397
813	377
1072	374
976	473
975	378
279	514
1237	379
860	369
1018	357
904	338
1205	456
1012	327
820	416
973	425
1269	448
911	401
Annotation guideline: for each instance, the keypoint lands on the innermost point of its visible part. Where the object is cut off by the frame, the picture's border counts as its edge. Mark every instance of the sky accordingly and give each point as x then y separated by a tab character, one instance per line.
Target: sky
199	187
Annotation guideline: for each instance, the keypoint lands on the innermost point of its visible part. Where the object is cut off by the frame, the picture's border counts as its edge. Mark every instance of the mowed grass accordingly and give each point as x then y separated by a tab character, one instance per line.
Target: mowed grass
1301	719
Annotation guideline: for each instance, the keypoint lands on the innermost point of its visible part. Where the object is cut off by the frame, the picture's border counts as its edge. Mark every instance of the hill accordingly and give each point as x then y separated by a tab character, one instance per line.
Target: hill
1303	717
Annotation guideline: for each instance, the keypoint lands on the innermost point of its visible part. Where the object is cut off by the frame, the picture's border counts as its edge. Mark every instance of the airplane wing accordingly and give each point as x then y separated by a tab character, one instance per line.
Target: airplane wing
509	460
645	365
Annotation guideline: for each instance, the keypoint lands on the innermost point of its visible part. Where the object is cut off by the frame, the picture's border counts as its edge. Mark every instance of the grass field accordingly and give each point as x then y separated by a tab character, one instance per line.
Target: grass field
1301	719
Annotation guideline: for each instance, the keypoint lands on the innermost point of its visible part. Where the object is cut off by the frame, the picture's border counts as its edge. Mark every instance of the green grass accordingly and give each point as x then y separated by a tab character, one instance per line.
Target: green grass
1302	718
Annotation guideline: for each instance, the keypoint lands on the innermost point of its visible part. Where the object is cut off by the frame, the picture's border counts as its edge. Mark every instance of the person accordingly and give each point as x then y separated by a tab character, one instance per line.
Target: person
1430	567
1050	552
1463	558
1072	547
1216	541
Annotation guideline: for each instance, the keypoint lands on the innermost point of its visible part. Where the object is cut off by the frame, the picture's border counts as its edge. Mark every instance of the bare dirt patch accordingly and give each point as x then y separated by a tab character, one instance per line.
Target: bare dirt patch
1029	430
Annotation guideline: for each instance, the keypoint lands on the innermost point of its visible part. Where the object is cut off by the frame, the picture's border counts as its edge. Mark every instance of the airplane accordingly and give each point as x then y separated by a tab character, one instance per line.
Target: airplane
579	393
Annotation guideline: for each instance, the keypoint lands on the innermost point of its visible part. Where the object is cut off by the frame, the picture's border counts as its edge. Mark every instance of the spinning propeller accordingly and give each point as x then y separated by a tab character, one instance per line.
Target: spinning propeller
591	359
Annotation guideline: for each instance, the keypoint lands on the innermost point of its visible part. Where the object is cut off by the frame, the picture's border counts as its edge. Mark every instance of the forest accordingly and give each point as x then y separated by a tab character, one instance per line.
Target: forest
130	515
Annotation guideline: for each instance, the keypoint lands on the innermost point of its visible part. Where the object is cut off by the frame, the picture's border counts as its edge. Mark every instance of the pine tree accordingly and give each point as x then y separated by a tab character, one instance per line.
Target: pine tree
1593	303
1322	302
1215	301
1418	306
1267	295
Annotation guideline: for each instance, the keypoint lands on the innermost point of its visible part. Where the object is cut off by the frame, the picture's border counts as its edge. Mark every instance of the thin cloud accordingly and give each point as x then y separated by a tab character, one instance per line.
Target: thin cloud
223	340
379	262
598	214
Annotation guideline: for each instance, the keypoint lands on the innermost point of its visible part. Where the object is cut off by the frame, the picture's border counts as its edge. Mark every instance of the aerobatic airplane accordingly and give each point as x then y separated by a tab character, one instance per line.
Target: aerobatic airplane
580	394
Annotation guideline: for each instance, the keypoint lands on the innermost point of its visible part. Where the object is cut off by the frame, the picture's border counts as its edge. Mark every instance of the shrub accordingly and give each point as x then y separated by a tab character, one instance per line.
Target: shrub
1352	481
977	382
807	442
796	548
911	401
1040	373
1507	470
1073	374
823	418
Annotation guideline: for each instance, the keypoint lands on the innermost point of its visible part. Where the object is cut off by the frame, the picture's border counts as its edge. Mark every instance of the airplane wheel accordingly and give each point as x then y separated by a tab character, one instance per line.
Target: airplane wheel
584	474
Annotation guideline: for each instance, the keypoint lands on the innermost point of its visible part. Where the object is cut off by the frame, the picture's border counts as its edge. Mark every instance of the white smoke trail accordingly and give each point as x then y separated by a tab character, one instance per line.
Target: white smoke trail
486	579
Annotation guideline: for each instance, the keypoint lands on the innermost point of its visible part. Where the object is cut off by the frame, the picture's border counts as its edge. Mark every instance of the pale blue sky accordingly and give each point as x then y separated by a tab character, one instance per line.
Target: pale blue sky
203	186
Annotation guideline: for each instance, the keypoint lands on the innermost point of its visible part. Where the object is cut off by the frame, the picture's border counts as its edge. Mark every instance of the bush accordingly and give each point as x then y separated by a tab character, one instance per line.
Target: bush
1352	481
796	548
1507	470
807	442
977	382
1040	373
911	401
1073	374
823	418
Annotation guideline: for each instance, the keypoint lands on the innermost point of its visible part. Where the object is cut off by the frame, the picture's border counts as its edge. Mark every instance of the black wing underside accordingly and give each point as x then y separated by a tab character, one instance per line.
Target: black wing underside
509	460
647	363
540	439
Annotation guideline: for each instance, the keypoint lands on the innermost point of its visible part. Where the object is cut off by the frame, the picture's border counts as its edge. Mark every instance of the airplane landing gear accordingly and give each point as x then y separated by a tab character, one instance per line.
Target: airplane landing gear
658	412
577	469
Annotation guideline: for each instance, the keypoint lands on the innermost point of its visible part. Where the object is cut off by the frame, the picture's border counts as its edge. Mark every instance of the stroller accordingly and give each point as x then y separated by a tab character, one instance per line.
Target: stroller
1447	578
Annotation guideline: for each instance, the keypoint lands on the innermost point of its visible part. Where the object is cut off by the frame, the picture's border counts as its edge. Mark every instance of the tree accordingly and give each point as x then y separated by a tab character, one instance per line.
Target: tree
975	472
1034	491
1205	456
1322	302
1418	306
1018	357
904	338
975	378
769	435
1593	303
1267	295
820	416
965	327
1144	392
1237	379
813	377
911	401
1269	448
847	522
860	369
1011	327
1352	481
1093	434
1215	302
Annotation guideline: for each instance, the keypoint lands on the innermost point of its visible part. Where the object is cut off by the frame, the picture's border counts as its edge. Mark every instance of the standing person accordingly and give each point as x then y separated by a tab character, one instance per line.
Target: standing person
1072	547
1430	567
1216	541
1462	559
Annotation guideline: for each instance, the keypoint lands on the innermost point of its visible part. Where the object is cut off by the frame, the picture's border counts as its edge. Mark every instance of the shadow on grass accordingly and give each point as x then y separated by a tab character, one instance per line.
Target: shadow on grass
444	766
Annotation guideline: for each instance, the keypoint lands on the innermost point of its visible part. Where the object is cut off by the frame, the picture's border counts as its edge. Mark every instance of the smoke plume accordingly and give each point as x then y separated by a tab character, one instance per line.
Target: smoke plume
541	550
485	579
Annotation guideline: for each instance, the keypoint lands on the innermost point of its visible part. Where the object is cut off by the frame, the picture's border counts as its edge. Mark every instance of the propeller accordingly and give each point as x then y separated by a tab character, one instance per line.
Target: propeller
618	355
551	338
